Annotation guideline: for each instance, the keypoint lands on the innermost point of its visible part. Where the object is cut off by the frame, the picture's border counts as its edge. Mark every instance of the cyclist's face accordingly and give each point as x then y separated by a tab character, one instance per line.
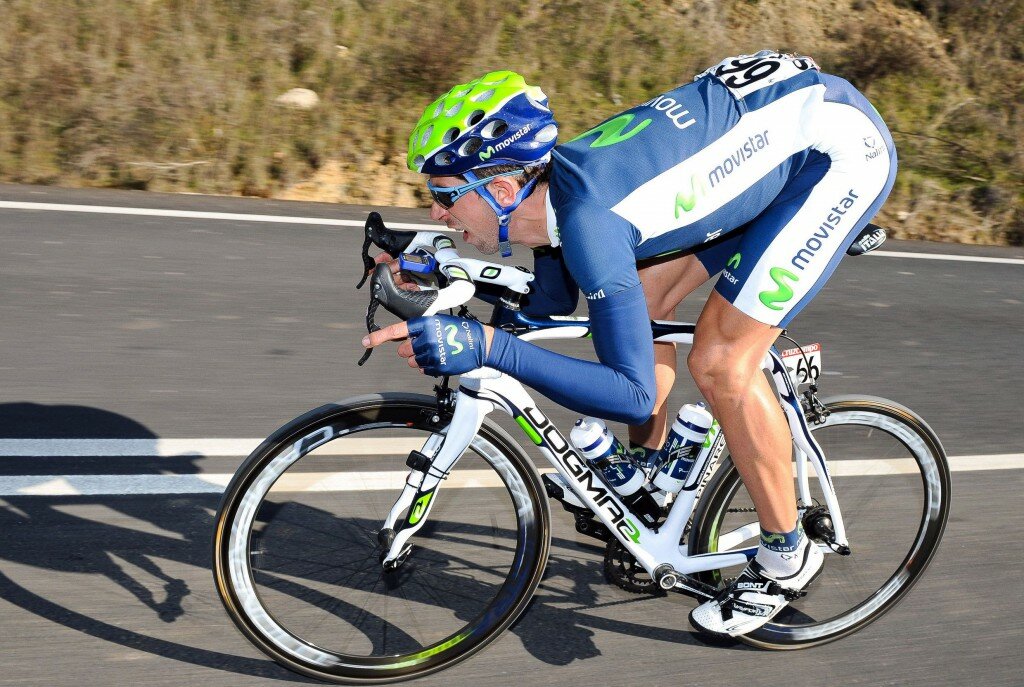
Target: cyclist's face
470	214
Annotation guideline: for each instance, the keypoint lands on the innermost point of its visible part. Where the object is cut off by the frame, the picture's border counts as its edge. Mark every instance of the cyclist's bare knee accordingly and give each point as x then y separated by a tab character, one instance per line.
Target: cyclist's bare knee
728	349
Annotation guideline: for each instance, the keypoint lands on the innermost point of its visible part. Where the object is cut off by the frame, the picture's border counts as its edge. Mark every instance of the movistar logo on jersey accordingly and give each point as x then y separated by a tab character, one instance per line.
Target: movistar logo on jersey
817	241
491	150
456	347
779	275
673	110
753	145
734	263
611	132
686	199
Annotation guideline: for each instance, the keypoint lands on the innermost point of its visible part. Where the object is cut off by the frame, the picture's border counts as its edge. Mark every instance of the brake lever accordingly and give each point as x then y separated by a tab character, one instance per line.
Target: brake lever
389	240
371	326
367	261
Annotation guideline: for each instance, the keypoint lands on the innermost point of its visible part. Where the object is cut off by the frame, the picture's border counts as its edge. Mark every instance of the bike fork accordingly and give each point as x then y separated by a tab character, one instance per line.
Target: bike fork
434	461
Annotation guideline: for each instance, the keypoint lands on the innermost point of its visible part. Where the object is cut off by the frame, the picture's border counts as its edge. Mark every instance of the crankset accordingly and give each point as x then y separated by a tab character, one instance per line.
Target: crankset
623	570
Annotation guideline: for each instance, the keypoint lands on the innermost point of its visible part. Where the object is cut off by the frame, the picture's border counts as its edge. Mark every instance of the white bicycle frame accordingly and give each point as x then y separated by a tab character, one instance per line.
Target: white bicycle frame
482	391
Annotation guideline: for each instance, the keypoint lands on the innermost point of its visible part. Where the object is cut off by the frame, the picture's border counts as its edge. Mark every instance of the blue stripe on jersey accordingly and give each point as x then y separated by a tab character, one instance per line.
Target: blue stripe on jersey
838	90
769	94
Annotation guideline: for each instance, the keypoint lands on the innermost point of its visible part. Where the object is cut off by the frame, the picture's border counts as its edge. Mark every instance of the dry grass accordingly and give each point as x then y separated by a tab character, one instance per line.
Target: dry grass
179	95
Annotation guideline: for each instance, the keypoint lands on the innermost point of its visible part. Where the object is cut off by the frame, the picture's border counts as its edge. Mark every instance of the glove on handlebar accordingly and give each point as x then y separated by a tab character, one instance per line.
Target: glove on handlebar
446	345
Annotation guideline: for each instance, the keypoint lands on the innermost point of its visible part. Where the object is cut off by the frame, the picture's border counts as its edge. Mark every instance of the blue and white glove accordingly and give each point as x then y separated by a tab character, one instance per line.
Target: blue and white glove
446	345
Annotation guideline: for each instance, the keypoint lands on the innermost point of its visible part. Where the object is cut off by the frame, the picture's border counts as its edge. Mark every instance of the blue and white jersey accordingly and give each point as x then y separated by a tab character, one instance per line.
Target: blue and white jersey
770	163
682	168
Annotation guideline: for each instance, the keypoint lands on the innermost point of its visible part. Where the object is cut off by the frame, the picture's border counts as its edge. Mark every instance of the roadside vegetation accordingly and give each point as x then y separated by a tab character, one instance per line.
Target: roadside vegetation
185	95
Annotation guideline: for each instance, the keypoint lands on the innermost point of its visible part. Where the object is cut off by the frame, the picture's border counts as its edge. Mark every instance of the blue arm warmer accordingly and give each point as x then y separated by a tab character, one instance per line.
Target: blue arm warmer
621	387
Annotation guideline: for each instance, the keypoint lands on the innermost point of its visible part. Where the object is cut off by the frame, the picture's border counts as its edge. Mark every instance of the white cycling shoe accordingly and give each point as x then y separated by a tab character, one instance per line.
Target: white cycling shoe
756	596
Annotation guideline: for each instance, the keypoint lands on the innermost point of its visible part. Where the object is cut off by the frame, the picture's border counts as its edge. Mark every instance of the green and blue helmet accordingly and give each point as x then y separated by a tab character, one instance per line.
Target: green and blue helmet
497	119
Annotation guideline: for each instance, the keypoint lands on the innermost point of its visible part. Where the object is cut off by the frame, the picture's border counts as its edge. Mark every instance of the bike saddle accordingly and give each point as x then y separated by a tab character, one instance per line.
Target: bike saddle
871	237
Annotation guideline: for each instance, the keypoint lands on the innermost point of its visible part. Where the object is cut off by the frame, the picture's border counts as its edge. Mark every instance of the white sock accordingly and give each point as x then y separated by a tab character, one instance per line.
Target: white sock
782	564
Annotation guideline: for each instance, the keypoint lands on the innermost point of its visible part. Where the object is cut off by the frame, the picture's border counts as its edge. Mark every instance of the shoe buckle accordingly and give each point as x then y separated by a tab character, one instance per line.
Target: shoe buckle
793	594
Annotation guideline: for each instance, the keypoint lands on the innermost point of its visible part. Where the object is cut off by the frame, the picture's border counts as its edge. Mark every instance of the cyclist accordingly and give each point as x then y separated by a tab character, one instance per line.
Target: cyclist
763	169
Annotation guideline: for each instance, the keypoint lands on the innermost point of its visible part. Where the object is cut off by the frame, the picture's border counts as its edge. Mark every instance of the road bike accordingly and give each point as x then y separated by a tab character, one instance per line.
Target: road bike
390	536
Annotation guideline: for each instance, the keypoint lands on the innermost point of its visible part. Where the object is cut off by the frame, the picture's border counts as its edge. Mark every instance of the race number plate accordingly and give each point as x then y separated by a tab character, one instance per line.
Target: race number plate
803	364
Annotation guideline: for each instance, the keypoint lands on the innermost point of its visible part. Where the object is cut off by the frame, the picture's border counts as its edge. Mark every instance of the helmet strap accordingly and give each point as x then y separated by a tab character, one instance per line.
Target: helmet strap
504	213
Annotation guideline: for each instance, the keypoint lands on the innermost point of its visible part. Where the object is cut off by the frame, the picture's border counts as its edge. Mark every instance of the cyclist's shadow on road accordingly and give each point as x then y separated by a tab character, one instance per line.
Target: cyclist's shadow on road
45	526
61	533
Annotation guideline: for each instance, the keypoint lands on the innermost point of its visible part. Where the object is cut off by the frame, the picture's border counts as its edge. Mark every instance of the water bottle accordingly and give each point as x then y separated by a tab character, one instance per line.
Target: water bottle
682	446
605	453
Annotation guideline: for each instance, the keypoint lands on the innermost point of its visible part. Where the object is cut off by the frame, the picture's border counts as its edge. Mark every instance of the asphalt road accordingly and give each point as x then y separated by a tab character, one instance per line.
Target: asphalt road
154	328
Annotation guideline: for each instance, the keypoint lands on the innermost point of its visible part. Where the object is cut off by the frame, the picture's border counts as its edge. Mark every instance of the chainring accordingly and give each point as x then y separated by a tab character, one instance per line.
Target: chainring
623	570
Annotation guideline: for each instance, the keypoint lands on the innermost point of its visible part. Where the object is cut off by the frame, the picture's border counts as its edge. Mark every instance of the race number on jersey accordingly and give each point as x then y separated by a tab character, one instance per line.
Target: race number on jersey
745	74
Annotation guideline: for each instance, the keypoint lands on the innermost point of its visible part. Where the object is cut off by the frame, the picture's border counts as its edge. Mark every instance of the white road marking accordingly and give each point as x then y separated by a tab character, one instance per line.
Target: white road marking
192	214
168	448
110	485
413	226
944	256
214	483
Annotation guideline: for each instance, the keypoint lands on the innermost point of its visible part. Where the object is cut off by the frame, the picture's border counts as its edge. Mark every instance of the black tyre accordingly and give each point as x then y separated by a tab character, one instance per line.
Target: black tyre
297	561
892	483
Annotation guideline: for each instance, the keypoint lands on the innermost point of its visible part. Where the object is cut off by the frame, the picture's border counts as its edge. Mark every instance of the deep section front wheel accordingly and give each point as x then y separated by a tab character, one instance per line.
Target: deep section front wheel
892	483
298	561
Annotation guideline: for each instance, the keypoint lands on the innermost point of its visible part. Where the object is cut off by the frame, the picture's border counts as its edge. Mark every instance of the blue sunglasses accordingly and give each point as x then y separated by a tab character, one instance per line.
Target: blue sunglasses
447	196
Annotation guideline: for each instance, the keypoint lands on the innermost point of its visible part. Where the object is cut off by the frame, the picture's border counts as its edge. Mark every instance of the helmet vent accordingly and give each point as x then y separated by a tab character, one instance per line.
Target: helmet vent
471	146
444	158
475	117
453	110
426	135
548	133
495	129
438	109
450	135
418	162
483	95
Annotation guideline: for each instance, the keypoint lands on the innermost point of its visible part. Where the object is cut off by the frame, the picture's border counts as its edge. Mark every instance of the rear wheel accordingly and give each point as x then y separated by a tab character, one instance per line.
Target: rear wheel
297	560
892	483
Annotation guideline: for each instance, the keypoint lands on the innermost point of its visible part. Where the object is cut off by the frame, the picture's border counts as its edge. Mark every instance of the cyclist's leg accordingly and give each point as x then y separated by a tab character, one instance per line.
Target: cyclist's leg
666	283
728	349
774	273
783	259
